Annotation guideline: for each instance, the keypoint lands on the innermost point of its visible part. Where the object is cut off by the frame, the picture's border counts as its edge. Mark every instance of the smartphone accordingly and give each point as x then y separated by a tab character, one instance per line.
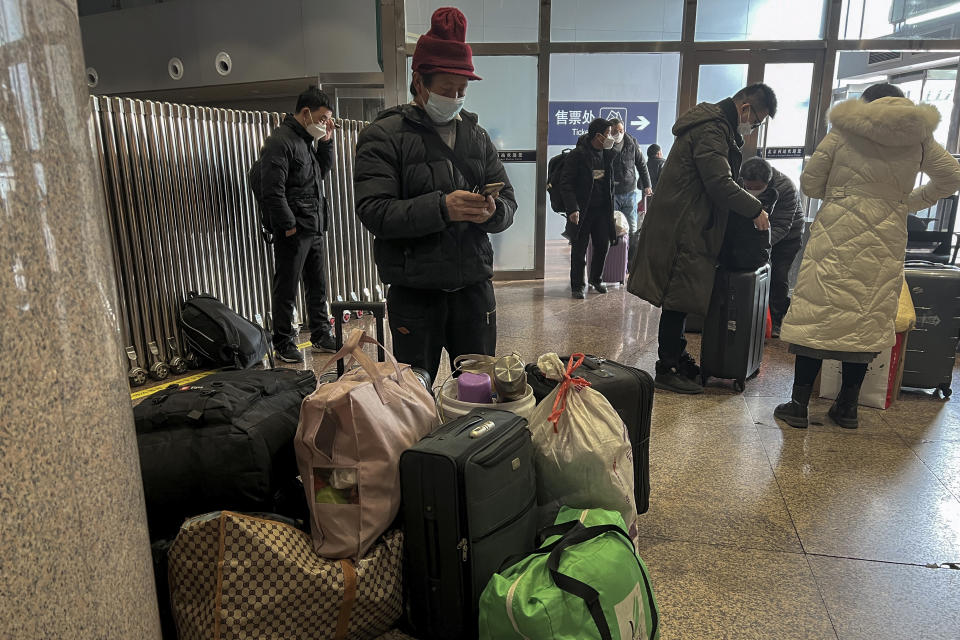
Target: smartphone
492	189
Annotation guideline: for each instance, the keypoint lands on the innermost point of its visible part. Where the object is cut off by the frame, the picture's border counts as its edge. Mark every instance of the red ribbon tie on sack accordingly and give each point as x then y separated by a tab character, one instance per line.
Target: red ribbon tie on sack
560	402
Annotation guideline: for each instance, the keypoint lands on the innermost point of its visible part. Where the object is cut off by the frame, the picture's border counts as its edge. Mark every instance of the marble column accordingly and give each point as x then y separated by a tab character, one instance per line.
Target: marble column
74	554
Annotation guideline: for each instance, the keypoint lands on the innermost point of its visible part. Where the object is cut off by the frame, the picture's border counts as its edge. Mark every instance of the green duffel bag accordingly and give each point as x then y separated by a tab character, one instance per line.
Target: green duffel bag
586	581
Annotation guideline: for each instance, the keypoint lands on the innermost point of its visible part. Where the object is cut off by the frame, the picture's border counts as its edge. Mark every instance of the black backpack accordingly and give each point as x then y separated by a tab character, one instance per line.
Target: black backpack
554	168
253	179
218	335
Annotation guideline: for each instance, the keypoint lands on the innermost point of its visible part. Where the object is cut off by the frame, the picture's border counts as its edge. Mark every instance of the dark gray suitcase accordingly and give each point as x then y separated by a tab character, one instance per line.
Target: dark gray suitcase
469	494
733	329
932	345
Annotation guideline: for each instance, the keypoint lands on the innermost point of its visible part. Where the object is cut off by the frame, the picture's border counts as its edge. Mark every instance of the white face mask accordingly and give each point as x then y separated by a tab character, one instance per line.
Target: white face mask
608	142
316	130
618	138
745	128
442	109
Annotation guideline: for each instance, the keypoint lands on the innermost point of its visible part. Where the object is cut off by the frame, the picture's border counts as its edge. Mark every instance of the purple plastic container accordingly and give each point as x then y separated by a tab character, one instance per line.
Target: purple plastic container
474	387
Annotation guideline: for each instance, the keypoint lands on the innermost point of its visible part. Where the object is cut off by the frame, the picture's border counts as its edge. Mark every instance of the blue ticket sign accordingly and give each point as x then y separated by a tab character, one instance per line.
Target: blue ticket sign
569	120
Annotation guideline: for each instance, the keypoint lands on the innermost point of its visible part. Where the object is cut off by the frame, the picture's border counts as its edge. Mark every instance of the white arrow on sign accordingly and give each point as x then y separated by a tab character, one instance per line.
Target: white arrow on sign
640	123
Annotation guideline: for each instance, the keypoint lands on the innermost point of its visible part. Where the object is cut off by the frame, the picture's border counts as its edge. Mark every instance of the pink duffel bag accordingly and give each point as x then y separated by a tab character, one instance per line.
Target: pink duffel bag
349	440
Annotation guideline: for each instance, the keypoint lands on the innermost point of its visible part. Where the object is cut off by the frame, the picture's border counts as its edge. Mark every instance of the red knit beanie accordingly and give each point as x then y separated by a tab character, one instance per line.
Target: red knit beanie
443	49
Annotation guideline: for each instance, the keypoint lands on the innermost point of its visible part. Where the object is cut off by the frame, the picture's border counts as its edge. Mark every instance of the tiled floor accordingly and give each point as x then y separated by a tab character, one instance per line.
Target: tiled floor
758	530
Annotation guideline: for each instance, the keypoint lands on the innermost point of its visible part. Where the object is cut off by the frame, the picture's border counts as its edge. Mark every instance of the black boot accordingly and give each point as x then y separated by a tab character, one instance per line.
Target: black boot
844	409
794	413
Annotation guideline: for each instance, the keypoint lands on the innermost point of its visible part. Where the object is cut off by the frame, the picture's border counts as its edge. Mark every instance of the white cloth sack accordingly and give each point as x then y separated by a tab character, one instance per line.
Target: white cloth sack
583	456
877	390
620	223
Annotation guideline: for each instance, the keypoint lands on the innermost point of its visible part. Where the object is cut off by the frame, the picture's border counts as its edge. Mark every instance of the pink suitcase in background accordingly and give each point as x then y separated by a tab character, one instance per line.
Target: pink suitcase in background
615	267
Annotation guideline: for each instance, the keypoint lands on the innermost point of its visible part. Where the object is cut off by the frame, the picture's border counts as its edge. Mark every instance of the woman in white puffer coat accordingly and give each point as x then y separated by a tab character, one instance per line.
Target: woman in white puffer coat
845	301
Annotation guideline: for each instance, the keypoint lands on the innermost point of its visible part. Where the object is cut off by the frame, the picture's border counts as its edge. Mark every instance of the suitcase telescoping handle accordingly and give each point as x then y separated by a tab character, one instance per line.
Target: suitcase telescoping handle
379	311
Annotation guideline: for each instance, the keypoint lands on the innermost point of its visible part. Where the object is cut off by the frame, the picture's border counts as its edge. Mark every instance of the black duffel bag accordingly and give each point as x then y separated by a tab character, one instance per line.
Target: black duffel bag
218	335
223	442
746	248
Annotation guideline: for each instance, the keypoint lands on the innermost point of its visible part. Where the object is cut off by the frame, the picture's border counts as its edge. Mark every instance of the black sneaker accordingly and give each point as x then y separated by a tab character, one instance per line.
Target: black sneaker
325	344
577	294
775	331
674	381
598	287
290	354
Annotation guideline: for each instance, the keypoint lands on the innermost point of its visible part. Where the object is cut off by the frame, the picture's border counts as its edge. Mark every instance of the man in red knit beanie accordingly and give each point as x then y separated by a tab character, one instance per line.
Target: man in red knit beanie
430	186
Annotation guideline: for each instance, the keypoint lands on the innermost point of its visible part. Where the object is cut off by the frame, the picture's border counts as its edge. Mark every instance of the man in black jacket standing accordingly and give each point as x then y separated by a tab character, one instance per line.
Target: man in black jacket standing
629	174
786	229
655	162
586	186
293	161
417	169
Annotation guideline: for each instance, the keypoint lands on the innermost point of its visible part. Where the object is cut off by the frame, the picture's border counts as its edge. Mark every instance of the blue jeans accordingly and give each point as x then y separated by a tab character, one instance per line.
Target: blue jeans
626	203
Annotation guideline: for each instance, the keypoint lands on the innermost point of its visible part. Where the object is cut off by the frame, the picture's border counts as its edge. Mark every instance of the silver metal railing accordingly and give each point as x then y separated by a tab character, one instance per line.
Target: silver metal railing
182	218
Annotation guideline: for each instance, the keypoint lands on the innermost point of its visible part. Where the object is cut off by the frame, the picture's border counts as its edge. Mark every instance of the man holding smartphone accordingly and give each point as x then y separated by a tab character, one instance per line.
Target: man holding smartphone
293	161
430	186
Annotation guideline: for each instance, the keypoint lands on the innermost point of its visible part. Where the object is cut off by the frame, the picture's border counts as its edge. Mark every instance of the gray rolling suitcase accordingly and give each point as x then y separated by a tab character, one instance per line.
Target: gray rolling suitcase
469	494
733	329
932	345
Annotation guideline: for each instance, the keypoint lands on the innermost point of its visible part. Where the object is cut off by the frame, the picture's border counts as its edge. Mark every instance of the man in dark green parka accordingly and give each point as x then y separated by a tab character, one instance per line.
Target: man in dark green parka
683	231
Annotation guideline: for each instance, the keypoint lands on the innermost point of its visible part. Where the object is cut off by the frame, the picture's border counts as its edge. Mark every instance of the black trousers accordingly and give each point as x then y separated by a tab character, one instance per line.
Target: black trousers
781	259
295	259
594	225
671	343
424	321
805	371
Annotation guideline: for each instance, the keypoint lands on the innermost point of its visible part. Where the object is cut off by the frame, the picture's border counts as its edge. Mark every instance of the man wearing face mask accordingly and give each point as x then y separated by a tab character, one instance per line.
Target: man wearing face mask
786	230
419	168
586	186
683	230
293	161
629	174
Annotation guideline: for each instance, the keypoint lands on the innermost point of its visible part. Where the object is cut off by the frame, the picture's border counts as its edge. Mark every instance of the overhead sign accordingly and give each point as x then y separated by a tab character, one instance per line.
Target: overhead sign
529	155
569	120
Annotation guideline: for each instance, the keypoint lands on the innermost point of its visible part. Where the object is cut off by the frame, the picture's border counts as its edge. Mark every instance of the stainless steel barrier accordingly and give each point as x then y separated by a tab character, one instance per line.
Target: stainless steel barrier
182	218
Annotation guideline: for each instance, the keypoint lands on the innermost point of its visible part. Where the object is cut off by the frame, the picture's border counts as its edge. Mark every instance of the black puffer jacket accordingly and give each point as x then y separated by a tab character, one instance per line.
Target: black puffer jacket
400	181
577	186
655	166
786	218
290	175
629	167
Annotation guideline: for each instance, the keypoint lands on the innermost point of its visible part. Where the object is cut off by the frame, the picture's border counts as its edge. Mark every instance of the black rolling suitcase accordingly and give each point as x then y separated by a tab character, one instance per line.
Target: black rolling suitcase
932	345
735	325
630	392
469	497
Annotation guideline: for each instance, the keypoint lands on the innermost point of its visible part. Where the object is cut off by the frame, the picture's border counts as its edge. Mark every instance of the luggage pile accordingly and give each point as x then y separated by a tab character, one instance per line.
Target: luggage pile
345	509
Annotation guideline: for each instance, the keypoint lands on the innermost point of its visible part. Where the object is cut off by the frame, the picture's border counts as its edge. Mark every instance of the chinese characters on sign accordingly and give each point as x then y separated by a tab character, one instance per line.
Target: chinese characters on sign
781	152
518	156
570	120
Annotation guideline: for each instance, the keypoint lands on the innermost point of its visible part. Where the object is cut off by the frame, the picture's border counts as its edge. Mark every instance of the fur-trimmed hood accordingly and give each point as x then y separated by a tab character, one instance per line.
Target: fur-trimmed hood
893	122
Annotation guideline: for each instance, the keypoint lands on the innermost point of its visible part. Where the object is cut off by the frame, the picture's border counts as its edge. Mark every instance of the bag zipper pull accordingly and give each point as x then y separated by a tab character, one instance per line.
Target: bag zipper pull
463	547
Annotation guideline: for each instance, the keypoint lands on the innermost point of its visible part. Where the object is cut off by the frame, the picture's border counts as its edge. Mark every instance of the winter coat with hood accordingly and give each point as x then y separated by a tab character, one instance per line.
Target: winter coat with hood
577	185
687	216
402	174
864	170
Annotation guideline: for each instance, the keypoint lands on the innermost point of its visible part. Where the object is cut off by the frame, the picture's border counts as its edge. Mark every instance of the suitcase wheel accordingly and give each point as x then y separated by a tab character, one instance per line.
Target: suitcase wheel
178	365
359	314
945	390
739	385
346	317
332	322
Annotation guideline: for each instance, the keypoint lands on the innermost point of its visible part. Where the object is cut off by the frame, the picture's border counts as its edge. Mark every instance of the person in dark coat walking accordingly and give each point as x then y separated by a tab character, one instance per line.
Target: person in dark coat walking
586	186
629	174
417	168
293	161
786	229
655	162
685	224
